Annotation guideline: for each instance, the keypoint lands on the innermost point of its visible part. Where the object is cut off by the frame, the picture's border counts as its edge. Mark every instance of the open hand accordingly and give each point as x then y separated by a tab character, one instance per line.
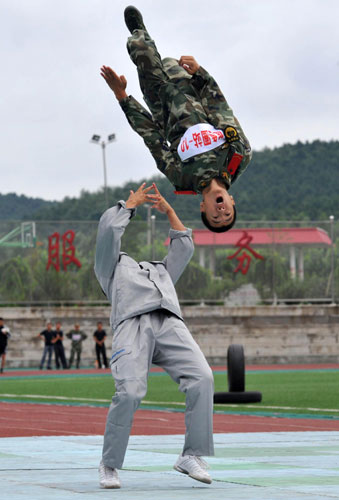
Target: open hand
159	201
117	83
139	197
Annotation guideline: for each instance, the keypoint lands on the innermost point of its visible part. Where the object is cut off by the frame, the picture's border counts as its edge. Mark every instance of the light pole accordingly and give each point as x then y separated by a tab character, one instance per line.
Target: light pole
153	235
96	140
149	224
332	257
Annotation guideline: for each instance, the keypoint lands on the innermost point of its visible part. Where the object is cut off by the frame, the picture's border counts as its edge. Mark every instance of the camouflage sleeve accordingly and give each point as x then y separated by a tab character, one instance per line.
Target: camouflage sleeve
142	123
211	97
220	114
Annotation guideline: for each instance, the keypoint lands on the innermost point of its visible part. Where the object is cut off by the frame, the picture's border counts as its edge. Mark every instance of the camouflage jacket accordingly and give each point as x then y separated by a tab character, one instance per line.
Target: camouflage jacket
76	336
226	162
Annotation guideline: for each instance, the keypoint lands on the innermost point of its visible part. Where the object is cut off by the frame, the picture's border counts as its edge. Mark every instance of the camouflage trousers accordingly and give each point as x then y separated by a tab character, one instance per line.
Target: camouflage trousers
165	87
75	352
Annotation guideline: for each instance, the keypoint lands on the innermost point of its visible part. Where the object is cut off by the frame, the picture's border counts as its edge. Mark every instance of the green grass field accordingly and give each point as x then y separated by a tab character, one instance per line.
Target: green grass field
312	393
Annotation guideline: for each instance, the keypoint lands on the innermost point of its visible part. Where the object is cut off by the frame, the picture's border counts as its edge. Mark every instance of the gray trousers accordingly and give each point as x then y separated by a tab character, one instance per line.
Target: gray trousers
164	340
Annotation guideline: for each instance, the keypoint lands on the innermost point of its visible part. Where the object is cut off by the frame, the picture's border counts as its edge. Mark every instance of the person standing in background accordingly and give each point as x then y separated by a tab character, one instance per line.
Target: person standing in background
100	349
77	337
47	335
59	351
4	336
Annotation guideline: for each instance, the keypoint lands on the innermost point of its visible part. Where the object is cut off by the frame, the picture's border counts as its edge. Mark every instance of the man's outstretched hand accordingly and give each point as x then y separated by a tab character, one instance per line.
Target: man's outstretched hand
189	64
164	207
139	197
159	201
117	83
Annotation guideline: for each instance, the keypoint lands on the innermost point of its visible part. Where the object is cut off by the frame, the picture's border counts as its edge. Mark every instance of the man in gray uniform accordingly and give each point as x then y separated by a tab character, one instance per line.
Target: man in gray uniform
148	328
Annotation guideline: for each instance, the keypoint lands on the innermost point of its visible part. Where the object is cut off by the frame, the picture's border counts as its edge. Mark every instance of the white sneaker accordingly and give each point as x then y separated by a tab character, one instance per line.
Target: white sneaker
108	477
194	466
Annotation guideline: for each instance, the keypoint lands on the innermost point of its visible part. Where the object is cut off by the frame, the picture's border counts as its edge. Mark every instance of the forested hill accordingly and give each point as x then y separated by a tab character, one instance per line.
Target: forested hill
16	207
299	181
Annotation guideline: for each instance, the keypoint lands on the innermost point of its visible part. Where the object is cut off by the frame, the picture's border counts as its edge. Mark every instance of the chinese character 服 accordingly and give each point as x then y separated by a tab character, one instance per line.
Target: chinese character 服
53	251
68	251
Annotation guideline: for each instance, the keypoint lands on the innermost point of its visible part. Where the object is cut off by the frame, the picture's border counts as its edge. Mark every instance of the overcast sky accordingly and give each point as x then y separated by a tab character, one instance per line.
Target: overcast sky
277	62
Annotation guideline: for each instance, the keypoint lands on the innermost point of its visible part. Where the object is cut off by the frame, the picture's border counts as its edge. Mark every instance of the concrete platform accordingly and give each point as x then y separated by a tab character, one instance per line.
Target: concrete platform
272	466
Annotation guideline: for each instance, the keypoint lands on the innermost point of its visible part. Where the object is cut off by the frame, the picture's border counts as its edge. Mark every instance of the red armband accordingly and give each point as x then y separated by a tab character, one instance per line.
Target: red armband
234	163
185	192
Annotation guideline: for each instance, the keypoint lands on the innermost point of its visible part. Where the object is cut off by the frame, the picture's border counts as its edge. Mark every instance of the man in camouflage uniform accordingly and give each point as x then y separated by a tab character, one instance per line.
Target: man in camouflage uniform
187	107
77	337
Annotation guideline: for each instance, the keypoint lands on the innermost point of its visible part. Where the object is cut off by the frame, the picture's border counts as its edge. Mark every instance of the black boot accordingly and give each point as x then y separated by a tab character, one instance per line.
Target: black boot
133	19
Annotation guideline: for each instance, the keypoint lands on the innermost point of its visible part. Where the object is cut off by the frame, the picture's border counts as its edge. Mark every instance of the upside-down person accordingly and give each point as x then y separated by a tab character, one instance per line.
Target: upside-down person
192	132
148	328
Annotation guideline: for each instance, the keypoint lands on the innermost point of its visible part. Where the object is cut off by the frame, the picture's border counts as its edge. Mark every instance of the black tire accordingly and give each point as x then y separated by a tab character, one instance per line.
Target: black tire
237	397
236	368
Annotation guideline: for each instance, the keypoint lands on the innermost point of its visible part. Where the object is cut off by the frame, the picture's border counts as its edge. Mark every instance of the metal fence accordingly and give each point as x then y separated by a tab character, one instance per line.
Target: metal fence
256	262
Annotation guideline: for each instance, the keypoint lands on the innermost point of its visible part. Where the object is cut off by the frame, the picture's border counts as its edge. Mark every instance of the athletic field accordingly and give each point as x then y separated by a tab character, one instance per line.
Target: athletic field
287	391
286	447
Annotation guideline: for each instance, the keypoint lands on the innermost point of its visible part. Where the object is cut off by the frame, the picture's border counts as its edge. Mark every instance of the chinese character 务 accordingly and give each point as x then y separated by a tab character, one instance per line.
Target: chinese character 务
244	259
68	251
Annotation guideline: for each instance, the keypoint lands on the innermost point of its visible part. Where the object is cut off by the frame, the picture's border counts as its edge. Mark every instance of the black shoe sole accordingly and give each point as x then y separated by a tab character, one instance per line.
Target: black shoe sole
133	19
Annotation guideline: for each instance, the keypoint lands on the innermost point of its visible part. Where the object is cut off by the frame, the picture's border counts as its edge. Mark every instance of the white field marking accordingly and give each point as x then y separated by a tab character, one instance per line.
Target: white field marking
65	398
56	432
39	396
284	408
250	406
163	403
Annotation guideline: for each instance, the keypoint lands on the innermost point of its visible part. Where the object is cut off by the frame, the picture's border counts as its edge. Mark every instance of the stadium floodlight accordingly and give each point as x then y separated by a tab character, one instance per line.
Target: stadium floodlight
332	259
96	140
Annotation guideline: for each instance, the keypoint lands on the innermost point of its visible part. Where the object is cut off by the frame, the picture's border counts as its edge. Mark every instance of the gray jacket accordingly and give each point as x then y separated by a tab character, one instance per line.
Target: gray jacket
137	288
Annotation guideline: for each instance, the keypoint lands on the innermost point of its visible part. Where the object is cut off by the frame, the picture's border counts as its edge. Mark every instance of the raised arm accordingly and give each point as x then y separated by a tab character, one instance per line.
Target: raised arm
181	246
164	207
207	88
211	97
115	82
218	111
142	123
112	226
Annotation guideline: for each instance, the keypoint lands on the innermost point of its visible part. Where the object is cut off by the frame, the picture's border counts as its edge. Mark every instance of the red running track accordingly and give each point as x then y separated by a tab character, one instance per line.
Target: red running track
28	419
